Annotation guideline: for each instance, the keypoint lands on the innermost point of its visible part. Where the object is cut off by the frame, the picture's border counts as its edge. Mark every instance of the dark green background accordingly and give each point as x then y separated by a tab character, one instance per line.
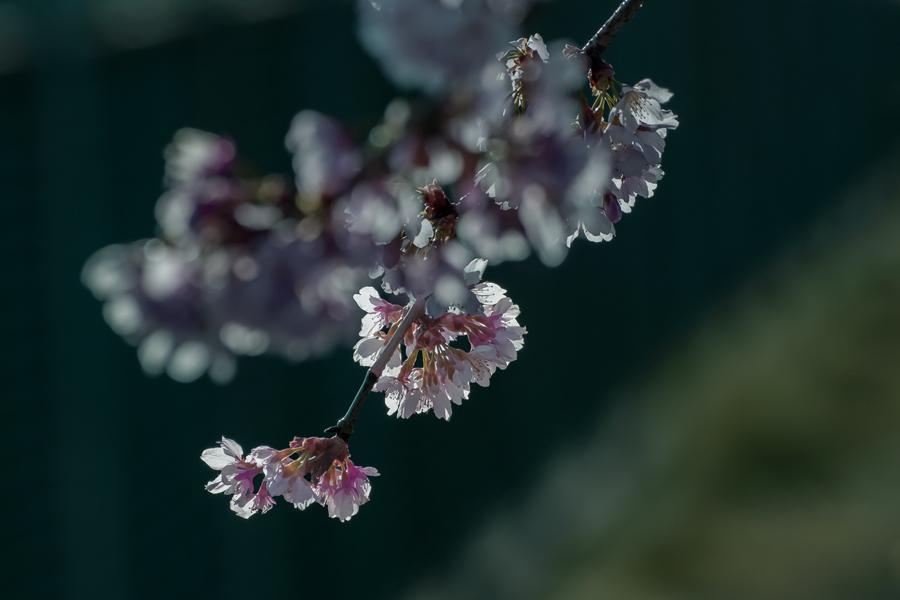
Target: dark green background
783	105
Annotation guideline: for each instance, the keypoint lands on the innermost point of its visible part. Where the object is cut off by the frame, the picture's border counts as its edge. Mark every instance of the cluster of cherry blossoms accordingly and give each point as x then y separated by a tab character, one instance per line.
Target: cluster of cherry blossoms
334	481
517	147
446	372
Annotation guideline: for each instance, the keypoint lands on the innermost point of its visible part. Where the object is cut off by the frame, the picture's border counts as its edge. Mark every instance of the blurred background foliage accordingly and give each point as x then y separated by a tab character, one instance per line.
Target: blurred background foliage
756	459
704	408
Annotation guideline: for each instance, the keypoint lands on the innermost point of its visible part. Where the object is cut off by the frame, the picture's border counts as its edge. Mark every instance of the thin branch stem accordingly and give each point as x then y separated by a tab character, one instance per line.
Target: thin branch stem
344	427
601	40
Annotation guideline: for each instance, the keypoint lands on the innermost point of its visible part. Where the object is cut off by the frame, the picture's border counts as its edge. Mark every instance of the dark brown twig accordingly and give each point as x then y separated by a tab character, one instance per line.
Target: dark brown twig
601	40
344	427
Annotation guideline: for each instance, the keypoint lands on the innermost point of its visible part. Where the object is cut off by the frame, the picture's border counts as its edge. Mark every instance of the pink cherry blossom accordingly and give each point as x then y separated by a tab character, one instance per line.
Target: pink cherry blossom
379	312
286	478
344	488
236	476
640	107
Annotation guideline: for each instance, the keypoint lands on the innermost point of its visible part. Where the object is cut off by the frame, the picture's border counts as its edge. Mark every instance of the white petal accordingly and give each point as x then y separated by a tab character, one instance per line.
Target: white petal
217	486
424	235
261	455
232	447
371	323
474	271
489	293
276	484
300	494
243	508
365	298
216	458
366	350
660	94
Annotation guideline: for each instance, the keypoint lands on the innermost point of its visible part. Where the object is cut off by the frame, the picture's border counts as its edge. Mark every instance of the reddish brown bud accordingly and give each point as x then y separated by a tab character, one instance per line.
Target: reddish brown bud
437	205
324	453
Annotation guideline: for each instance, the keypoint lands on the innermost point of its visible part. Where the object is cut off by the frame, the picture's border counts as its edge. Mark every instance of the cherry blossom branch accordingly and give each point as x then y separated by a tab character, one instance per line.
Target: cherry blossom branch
593	49
601	40
344	427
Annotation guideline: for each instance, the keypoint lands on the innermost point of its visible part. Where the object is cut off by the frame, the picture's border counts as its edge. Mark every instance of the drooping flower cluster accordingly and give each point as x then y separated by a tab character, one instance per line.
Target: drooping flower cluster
635	132
322	473
447	370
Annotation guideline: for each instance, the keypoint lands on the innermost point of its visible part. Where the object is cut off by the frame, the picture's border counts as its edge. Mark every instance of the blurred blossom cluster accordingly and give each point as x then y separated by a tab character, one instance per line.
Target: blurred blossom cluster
515	148
240	267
